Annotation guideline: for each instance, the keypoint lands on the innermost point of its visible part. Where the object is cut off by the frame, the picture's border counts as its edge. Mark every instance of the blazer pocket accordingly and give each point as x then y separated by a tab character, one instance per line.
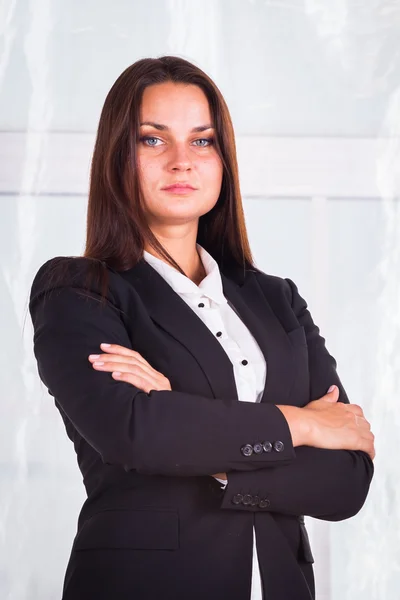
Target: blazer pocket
297	336
151	529
305	546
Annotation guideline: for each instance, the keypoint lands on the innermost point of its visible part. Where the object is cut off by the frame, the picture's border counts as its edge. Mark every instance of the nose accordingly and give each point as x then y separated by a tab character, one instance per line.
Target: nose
180	158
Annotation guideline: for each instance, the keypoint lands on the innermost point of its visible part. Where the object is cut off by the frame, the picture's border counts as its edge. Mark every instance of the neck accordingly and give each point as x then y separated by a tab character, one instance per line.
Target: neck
185	255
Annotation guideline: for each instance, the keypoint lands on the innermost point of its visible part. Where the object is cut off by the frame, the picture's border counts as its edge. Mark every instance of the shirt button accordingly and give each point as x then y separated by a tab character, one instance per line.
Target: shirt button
245	362
247	499
219	333
247	450
264	503
201	305
255	501
237	499
258	448
279	446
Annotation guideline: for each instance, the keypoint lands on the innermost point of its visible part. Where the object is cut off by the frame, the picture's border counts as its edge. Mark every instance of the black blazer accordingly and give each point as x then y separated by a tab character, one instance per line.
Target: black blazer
155	523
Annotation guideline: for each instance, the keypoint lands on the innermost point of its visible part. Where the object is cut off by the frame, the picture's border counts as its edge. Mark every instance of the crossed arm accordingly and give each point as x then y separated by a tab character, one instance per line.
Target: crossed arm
329	478
137	421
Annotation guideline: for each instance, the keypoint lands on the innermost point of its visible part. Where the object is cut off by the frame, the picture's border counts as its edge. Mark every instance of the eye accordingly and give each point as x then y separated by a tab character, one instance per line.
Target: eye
209	140
146	138
150	138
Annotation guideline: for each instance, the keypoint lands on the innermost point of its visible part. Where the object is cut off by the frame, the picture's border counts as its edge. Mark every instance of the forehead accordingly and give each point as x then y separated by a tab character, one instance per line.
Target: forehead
175	103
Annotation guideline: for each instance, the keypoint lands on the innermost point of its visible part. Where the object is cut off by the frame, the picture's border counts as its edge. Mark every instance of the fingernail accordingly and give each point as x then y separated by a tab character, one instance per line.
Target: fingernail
94	356
105	345
98	363
333	387
117	374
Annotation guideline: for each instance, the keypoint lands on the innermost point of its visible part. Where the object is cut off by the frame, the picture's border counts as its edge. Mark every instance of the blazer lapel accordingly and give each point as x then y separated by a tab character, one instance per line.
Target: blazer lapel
256	313
172	313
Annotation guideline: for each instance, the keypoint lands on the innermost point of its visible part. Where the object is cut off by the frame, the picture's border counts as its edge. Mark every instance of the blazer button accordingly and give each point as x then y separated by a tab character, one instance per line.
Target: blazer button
237	499
255	501
247	450
279	446
267	446
264	503
247	499
258	448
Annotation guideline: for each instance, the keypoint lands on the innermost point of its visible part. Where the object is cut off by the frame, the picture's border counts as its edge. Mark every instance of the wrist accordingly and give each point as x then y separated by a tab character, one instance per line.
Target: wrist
298	423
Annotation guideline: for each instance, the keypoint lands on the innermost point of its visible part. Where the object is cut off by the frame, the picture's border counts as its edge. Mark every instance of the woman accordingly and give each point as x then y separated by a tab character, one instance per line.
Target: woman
192	384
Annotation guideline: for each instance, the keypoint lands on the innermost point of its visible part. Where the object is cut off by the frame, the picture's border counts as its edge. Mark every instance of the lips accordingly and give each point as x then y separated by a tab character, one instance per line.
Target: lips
178	186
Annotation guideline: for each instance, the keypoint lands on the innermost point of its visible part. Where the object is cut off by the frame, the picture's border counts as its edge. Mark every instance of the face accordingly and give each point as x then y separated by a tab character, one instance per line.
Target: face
170	150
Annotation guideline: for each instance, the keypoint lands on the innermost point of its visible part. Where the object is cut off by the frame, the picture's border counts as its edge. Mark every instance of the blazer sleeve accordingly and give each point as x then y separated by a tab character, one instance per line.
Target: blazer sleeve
162	432
327	484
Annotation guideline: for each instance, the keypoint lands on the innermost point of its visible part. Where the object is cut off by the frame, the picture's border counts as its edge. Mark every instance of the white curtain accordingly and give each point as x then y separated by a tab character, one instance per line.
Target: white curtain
313	89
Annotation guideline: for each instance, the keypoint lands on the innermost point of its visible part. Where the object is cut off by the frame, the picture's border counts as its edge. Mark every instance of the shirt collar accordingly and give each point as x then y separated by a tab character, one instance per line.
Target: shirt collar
210	286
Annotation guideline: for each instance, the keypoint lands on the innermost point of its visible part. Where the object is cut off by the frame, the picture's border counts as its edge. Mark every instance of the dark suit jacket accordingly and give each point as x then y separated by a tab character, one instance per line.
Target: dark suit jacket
155	523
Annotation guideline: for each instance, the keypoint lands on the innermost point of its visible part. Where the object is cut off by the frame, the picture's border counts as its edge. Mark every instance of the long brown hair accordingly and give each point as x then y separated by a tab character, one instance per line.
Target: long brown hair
116	224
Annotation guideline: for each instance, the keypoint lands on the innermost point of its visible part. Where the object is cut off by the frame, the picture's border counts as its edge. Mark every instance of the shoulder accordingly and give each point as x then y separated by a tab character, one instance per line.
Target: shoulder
285	300
73	272
274	286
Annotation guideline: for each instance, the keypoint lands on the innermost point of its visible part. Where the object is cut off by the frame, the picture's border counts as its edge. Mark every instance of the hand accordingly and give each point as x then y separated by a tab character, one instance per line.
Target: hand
127	365
327	423
336	425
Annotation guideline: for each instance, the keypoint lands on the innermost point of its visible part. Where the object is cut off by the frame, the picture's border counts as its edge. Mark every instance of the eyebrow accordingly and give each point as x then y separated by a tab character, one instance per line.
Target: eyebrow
161	127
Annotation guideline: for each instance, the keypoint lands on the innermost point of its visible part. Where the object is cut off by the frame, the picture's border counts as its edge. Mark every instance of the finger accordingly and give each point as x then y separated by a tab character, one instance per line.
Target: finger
136	381
332	394
367	442
367	445
370	449
97	359
134	369
116	349
114	358
362	422
128	359
368	435
355	409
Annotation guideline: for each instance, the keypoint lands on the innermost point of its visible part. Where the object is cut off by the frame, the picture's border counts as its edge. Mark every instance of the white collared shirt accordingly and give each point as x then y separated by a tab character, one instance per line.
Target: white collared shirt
207	300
